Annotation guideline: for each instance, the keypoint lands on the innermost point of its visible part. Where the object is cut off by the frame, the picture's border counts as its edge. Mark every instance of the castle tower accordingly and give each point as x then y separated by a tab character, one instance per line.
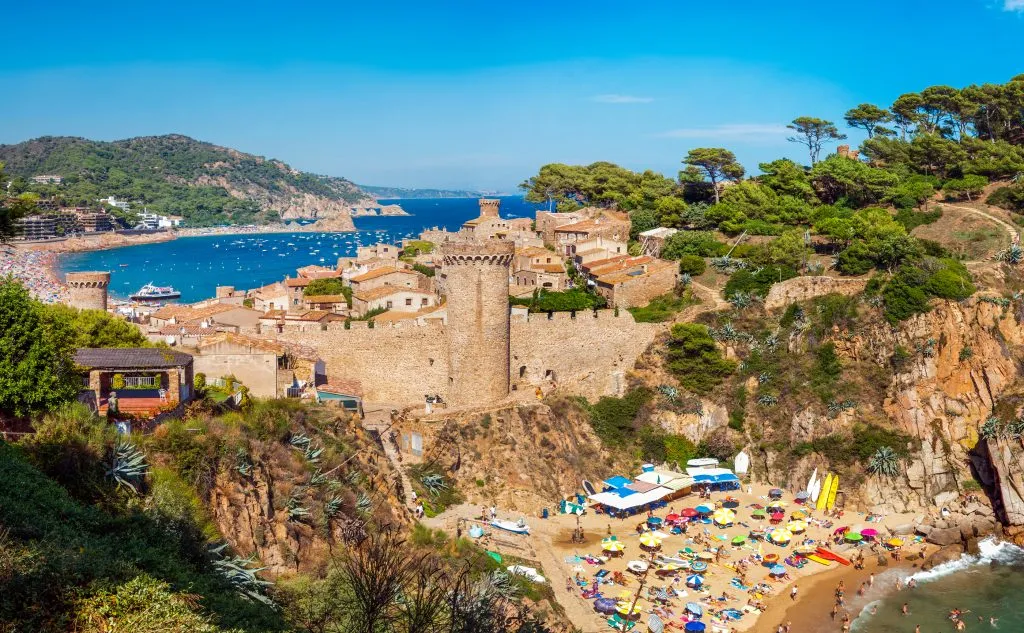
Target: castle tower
478	320
489	208
88	290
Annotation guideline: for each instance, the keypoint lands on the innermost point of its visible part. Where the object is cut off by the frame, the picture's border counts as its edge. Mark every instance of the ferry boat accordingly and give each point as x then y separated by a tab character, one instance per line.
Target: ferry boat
149	292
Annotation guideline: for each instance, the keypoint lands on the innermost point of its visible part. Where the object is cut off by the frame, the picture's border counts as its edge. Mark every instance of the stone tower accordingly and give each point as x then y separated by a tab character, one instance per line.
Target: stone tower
489	208
88	290
478	320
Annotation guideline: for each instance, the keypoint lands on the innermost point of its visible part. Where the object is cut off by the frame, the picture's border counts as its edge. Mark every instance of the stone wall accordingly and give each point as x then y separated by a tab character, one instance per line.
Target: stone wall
802	288
640	290
88	290
258	372
400	363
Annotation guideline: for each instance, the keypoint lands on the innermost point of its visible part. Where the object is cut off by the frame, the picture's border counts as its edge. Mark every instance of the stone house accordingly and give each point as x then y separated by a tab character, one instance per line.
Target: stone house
382	251
609	225
401	299
347	394
270	369
270	297
318	272
388	276
296	288
534	267
652	241
278	320
147	381
598	248
328	303
635	281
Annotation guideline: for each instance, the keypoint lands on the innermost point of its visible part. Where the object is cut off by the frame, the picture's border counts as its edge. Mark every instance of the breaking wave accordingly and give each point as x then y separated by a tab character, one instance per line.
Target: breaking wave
990	550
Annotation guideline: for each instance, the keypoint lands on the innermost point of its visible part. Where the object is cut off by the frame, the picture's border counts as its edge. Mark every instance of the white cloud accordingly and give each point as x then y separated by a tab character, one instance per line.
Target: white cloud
745	131
614	98
1013	5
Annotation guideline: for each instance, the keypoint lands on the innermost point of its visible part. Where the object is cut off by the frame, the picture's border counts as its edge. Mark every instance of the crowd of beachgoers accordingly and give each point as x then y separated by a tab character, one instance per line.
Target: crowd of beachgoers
35	269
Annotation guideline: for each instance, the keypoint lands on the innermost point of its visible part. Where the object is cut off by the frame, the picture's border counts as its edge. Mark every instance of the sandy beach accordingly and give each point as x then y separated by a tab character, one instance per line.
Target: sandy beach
735	582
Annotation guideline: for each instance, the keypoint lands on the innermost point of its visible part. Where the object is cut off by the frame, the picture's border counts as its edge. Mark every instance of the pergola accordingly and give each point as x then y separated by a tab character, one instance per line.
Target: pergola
146	380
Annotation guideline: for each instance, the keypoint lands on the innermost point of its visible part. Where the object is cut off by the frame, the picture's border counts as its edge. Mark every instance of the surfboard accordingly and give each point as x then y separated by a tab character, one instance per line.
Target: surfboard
832	493
830	555
817	559
741	463
810	482
817	490
823	496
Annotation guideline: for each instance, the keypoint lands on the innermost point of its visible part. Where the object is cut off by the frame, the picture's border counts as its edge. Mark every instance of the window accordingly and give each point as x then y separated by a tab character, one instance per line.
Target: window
389	305
408	301
424	301
522	371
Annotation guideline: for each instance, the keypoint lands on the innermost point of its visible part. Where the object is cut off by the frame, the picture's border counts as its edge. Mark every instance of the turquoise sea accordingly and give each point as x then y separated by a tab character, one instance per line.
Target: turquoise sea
990	584
196	265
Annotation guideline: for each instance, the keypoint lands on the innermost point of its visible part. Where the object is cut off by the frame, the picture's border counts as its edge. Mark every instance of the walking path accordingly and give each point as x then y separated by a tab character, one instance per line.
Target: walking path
1012	230
379	420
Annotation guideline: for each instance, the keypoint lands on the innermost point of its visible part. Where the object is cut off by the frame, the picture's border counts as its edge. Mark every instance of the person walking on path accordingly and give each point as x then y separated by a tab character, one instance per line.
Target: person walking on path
792	593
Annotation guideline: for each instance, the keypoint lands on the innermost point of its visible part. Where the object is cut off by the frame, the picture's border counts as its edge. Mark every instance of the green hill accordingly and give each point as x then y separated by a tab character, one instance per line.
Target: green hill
174	174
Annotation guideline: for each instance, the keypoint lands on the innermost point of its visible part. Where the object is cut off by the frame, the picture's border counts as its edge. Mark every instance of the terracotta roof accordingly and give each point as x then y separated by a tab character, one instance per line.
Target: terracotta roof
530	251
186	314
386	291
189	330
547	268
308	315
607	218
597	263
131	358
621	264
342	388
621	276
396	315
273	314
380	272
297	282
317	272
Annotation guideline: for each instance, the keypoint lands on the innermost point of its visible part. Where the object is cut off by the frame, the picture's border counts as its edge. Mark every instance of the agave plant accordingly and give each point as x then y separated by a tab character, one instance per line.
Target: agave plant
313	453
353	477
771	341
318	478
685	279
243	463
728	332
764	377
300	441
740	300
767	400
990	428
332	507
364	503
296	511
884	462
1013	254
435	484
1015	429
671	393
240	575
128	465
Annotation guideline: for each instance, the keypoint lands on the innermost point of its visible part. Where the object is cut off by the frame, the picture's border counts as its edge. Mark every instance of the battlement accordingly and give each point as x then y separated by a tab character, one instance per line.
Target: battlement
495	253
93	279
489	207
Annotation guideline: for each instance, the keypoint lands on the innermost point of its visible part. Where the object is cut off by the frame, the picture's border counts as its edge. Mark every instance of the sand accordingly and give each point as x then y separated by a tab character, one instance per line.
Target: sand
550	544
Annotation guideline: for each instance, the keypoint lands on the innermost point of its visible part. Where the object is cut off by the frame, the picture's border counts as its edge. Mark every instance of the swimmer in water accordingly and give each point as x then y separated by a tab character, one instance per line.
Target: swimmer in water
993	620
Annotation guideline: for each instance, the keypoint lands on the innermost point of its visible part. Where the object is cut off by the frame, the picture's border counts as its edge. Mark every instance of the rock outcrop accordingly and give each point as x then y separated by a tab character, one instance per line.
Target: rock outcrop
796	289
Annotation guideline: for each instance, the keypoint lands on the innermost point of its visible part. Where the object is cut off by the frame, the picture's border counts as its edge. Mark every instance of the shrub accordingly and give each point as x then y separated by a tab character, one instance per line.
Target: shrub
856	259
756	282
903	301
694	358
660	309
1010	198
692	265
700	243
612	418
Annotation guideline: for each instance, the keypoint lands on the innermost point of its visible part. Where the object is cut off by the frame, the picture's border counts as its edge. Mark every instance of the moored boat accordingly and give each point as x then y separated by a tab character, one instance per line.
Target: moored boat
149	292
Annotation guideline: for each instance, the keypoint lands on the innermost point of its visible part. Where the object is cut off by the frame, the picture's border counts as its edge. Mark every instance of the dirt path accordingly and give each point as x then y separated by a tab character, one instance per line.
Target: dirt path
711	301
1012	230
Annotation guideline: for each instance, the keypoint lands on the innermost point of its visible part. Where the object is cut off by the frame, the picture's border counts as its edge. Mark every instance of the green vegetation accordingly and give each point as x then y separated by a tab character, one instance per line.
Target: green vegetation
560	301
756	283
1010	198
95	328
694	358
858	446
12	208
692	265
423	269
331	286
662	308
163	173
413	248
612	418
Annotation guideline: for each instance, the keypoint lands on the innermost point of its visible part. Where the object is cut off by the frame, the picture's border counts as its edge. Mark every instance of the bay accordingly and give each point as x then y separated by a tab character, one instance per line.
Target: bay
195	266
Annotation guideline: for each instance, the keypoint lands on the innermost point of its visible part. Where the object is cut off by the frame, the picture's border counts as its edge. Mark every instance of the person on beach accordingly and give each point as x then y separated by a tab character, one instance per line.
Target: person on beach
906	609
835	611
792	593
871	580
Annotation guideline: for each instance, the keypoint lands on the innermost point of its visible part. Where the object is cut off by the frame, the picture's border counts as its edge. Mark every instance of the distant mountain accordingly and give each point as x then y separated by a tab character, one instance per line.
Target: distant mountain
390	193
206	184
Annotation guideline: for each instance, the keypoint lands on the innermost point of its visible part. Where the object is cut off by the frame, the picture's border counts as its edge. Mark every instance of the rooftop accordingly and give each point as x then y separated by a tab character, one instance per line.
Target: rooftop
381	272
386	291
342	387
280	348
131	358
633	272
324	298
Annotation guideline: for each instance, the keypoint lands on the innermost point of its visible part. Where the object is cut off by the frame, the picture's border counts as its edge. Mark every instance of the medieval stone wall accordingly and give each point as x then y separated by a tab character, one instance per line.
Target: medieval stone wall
400	363
88	290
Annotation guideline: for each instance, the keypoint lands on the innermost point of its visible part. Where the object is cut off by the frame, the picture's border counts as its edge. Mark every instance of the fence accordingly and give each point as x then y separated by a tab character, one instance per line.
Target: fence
152	382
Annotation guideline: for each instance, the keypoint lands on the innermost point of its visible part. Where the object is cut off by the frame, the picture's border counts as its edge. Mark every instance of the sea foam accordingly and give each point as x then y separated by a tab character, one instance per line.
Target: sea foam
990	550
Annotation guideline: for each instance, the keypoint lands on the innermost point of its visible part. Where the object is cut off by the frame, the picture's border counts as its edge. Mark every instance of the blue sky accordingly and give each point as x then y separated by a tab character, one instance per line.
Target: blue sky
480	94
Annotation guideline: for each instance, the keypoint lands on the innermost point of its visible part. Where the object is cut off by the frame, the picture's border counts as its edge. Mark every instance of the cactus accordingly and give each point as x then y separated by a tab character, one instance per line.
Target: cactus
884	462
128	466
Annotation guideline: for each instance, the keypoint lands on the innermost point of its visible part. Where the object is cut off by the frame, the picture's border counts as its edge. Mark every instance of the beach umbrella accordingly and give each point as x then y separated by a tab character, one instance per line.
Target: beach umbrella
695	609
802	495
706	556
758	514
854	537
731	503
694	627
698	566
781	536
775	492
895	542
777	570
739	540
625	595
702	509
672	518
669	567
798	515
689	513
695	580
724	516
797	527
605	605
650	540
654	522
628	609
637	566
613	546
777	504
770	559
869	533
778	516
841	530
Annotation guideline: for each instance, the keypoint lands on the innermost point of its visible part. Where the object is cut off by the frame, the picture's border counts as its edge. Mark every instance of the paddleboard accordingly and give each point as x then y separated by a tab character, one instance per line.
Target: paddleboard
832	493
823	497
817	559
830	555
810	483
817	491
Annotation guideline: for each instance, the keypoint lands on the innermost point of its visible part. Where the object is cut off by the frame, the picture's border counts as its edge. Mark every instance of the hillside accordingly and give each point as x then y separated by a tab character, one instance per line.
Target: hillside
206	184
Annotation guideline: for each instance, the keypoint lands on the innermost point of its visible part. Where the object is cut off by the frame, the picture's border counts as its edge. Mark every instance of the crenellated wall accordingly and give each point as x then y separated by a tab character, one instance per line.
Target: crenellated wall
587	354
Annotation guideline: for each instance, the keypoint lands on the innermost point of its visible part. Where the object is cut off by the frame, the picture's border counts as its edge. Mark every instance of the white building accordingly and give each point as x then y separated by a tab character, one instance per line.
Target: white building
114	202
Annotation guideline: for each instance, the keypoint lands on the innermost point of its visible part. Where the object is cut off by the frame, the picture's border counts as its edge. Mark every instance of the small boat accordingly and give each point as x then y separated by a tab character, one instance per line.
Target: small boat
516	527
149	292
123	265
